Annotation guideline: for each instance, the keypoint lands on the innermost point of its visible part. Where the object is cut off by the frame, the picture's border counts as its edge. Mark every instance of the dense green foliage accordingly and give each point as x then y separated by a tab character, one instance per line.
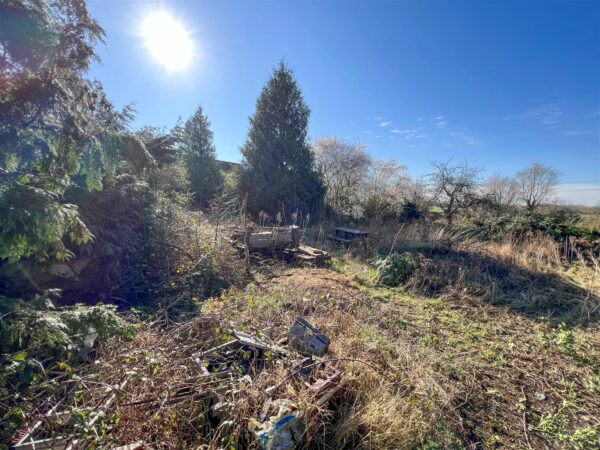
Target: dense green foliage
199	155
55	126
278	170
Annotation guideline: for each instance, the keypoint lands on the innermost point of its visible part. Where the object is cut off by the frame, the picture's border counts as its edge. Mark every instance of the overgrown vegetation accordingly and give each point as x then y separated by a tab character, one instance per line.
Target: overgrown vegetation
468	319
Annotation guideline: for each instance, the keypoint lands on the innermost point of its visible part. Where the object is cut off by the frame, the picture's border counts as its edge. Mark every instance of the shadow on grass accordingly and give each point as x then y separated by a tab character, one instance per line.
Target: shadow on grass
463	274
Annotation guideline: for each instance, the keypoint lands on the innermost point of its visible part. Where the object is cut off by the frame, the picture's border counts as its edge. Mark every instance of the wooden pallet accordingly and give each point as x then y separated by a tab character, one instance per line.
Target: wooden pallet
311	255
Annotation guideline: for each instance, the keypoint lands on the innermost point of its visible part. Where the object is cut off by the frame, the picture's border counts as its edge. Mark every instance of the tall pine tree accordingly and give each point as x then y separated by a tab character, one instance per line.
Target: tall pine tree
199	153
278	168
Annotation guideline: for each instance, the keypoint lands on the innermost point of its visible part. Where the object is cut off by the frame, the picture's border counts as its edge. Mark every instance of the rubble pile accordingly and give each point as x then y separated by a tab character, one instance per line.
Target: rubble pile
281	241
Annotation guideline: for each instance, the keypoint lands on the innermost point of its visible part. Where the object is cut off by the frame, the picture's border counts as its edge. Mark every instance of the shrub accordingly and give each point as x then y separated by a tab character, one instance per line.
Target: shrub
410	211
396	269
40	343
557	225
204	278
45	331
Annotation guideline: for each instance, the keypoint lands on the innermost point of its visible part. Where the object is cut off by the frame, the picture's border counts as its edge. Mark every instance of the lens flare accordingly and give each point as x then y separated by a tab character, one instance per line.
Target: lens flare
168	41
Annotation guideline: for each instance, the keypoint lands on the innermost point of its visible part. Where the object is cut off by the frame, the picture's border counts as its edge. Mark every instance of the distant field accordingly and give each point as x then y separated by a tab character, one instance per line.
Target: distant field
590	220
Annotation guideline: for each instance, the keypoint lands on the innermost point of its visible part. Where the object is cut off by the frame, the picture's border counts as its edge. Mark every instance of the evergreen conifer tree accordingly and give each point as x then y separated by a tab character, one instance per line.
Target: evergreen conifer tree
199	153
278	169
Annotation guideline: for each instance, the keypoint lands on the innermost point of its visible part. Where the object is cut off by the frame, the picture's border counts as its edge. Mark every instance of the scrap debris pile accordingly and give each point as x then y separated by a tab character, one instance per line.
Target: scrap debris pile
221	385
283	241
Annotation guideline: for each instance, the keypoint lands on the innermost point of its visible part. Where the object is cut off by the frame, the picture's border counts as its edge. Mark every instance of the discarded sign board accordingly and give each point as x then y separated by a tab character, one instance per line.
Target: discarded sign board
327	385
306	338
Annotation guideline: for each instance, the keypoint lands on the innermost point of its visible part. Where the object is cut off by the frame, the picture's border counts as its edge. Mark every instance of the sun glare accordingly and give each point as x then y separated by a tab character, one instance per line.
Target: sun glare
168	41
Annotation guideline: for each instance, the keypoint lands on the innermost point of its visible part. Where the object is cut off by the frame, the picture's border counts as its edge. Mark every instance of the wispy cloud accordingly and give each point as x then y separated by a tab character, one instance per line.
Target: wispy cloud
376	119
441	122
553	117
548	116
440	128
577	132
385	124
465	137
462	134
410	133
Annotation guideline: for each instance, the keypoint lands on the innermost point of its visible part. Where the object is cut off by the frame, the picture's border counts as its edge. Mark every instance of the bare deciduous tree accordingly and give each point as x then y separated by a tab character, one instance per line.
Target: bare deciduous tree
385	189
344	167
502	191
455	187
417	193
536	184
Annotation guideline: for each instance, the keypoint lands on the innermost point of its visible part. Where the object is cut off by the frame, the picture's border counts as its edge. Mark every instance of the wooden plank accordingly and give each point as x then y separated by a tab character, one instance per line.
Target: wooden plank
307	258
312	251
55	443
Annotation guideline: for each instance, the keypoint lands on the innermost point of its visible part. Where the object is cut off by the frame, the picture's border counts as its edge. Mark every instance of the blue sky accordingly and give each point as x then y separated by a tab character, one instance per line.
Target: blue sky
498	84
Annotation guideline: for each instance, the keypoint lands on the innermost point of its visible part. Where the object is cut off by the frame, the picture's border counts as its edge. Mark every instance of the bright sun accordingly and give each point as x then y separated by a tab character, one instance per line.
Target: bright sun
168	41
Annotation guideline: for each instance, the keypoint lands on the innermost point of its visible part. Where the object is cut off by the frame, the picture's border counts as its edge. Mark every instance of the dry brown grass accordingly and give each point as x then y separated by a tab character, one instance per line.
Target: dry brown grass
391	397
467	354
